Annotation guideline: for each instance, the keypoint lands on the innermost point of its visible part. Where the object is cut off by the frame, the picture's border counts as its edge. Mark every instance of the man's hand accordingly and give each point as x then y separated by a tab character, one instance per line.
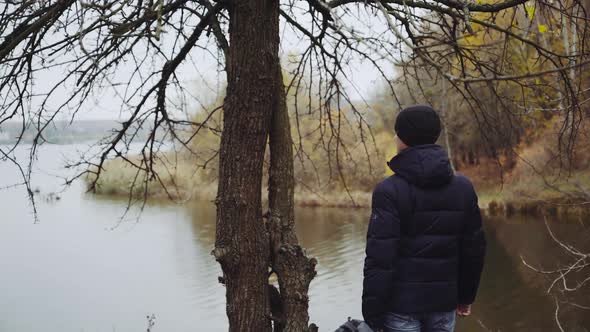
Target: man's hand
463	310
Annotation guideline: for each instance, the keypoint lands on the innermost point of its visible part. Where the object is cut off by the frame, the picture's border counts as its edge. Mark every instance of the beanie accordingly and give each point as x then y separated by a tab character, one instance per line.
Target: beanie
418	125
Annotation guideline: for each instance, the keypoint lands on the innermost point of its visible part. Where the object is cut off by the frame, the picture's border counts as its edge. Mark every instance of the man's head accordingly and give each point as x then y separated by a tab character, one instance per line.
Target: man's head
417	125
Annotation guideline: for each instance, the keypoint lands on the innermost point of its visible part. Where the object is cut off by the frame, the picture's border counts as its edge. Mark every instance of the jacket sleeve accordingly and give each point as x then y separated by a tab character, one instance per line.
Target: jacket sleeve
472	248
382	248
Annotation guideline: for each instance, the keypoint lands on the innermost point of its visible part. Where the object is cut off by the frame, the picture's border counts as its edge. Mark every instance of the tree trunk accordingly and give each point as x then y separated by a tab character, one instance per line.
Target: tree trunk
444	113
294	269
242	245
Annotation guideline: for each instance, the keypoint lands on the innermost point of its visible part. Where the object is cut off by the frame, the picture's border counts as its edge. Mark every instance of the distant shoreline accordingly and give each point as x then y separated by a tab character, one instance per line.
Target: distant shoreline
61	132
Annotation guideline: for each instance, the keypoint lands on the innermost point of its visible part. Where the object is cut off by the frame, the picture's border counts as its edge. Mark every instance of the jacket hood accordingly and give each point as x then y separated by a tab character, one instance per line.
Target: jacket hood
423	166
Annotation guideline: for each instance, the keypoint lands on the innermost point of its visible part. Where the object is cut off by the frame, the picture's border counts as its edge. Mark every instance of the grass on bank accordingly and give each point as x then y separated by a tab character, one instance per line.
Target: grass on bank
182	183
521	188
177	180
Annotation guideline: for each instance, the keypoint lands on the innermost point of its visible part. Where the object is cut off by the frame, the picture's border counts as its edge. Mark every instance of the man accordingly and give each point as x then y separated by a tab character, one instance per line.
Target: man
425	243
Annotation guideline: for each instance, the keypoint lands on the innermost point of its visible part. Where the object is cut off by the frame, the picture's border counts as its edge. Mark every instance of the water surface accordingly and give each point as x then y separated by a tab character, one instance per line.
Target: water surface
81	269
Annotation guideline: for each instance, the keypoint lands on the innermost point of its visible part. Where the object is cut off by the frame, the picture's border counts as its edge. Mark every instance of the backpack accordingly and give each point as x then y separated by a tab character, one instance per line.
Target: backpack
354	325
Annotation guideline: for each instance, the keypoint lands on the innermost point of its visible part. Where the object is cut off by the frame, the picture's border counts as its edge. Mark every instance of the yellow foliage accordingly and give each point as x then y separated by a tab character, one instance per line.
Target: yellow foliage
385	139
542	28
530	10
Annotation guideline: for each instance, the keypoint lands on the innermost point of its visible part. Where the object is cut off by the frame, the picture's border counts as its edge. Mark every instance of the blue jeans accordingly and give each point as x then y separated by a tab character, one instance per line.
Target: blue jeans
429	322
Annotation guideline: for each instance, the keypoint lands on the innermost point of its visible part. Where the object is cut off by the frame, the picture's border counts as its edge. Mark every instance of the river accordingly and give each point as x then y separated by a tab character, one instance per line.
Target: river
82	269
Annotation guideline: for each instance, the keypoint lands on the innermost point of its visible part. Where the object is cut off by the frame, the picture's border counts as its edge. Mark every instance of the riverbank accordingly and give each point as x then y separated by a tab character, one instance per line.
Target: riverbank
181	182
522	194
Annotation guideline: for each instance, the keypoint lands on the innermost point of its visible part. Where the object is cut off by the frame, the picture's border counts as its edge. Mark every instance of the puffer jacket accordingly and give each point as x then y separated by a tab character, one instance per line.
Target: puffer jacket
425	243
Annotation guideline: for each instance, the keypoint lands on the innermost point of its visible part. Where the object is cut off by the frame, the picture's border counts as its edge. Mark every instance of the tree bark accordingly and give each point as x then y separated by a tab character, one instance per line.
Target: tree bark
294	269
242	245
444	113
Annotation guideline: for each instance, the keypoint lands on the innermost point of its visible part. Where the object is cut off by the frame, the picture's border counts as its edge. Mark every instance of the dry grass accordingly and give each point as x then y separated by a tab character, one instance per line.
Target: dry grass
535	180
542	174
356	199
179	180
541	181
182	183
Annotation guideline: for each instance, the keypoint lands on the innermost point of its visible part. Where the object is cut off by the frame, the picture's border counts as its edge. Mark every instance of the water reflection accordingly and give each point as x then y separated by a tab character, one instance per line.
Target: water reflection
209	293
512	297
336	238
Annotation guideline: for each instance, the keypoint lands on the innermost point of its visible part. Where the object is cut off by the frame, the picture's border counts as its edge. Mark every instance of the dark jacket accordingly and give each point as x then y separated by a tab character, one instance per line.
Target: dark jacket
425	243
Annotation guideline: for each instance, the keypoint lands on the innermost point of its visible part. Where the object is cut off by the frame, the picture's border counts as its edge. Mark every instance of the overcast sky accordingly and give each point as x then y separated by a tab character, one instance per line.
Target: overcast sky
202	77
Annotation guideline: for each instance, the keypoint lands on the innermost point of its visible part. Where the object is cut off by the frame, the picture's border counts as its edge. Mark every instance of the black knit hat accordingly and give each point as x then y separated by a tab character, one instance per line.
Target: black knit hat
418	125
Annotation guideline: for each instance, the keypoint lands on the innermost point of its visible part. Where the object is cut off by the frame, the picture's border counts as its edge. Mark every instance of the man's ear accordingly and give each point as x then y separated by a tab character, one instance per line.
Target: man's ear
399	144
